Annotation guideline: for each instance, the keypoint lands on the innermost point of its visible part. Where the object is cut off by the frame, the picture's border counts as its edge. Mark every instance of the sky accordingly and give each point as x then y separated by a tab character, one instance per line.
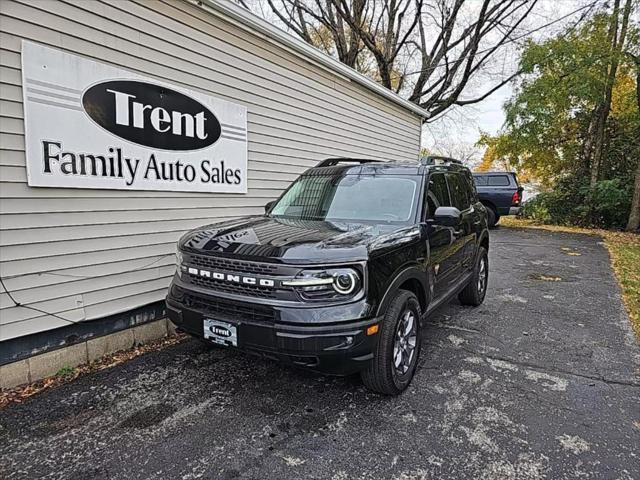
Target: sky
458	131
463	126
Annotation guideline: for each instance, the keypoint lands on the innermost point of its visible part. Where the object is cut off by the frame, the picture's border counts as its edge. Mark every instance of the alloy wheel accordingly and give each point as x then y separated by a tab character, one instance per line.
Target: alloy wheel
404	347
482	276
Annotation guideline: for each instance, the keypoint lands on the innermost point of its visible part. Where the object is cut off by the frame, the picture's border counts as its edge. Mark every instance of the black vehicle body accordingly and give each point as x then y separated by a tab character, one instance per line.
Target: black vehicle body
251	257
500	192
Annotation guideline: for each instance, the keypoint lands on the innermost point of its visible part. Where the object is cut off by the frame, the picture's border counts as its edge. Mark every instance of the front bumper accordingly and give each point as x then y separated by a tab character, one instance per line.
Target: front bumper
337	348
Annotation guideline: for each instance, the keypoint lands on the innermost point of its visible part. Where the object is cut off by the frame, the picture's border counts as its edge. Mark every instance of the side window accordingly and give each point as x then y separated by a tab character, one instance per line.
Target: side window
458	189
471	188
498	181
480	180
437	194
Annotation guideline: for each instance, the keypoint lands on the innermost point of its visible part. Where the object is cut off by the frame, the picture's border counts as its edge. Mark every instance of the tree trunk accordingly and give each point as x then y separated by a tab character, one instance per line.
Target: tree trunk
601	122
617	45
633	224
587	146
634	215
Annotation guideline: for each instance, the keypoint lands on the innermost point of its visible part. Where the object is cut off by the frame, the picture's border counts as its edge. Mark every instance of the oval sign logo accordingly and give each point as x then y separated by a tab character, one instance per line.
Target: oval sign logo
221	331
151	115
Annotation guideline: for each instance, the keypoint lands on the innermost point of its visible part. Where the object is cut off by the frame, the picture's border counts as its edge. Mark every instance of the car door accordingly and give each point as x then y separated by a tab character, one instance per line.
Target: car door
465	230
478	216
444	264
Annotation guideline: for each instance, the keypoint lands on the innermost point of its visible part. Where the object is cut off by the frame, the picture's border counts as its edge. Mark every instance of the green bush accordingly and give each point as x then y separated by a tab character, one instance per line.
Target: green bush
610	201
573	202
537	209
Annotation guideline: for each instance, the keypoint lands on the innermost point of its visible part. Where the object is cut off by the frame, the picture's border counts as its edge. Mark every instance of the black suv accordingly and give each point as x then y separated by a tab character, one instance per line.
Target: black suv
340	271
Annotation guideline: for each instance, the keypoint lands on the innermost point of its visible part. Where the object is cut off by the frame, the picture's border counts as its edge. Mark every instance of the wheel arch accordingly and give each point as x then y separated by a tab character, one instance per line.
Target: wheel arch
483	241
412	279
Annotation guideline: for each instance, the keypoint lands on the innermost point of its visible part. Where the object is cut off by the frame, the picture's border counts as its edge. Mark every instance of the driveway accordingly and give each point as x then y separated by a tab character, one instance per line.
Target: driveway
542	381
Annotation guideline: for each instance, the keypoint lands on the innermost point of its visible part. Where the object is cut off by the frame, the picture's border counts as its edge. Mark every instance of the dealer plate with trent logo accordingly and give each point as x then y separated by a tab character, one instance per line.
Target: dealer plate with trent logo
222	333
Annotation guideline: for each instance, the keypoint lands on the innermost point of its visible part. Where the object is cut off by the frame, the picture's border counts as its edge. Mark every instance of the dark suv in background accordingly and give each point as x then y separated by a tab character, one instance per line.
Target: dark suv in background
500	192
339	273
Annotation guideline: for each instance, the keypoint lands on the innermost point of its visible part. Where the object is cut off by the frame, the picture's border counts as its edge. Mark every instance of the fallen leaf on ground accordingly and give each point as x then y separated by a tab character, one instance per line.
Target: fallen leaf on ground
21	393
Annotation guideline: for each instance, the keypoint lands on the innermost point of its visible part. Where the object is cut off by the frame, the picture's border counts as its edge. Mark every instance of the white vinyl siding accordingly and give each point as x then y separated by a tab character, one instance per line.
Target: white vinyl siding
86	254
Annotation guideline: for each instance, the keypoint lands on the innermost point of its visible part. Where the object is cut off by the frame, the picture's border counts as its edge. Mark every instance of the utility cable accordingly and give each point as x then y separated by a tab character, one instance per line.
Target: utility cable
18	304
35	309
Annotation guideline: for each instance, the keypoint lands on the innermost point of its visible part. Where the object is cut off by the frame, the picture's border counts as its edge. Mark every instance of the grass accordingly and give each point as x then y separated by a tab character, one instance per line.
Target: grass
624	250
66	372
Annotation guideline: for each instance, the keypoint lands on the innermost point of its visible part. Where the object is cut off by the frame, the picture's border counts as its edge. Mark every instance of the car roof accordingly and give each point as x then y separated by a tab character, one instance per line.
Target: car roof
385	168
478	174
359	166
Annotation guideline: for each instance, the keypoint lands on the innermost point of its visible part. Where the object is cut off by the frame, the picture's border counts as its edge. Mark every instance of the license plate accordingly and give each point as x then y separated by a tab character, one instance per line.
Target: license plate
222	333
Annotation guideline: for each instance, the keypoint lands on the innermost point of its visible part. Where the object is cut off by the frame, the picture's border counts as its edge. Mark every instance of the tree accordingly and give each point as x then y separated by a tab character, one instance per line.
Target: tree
616	38
431	51
575	111
499	150
634	216
320	24
488	158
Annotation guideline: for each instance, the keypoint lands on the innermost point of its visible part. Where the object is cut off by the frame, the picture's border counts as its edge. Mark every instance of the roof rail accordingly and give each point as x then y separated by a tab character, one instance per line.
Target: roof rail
330	162
438	160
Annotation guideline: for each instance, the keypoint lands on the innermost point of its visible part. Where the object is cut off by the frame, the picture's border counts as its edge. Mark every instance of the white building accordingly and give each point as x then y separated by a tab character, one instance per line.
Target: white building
96	253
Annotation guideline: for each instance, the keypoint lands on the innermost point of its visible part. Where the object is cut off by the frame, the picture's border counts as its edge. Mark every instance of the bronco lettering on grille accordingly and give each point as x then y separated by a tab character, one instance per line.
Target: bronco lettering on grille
232	278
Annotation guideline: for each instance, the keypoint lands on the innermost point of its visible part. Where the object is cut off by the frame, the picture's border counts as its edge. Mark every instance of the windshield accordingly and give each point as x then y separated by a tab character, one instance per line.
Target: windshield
367	198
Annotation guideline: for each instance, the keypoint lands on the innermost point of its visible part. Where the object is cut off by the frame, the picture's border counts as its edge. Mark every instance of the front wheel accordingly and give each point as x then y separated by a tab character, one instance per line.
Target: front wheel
396	354
475	291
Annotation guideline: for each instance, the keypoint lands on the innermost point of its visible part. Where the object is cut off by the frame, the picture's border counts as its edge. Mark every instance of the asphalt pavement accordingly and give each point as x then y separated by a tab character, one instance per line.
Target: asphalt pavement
541	381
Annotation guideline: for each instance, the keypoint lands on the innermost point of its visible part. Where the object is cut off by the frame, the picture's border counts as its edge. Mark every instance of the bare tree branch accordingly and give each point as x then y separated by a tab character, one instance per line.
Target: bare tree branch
429	51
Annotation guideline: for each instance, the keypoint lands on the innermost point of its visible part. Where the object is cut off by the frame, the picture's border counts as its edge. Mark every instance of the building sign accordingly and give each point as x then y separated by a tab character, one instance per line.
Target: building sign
91	125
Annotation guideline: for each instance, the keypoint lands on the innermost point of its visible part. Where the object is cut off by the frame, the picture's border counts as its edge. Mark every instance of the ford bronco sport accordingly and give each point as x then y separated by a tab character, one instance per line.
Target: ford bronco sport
341	270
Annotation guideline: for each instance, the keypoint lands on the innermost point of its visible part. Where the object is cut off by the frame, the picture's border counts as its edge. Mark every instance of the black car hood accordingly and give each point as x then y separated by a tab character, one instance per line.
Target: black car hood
294	241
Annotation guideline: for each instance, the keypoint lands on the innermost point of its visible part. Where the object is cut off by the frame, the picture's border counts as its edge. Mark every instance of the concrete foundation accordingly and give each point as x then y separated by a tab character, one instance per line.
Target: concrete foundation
49	363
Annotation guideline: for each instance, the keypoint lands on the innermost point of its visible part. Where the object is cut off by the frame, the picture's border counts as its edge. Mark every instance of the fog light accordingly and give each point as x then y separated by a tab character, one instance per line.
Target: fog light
346	342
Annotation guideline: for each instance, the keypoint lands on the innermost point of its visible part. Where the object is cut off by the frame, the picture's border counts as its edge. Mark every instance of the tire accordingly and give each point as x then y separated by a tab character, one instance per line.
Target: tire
492	217
474	293
383	375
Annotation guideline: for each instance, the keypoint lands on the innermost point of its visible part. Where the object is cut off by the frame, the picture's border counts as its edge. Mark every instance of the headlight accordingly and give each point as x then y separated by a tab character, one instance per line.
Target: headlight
326	284
345	282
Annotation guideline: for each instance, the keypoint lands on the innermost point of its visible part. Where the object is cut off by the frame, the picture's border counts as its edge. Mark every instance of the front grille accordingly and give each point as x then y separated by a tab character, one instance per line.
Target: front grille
233	288
225	310
221	263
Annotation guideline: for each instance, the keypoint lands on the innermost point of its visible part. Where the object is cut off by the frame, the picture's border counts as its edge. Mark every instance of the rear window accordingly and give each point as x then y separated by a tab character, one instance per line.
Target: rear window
498	181
480	180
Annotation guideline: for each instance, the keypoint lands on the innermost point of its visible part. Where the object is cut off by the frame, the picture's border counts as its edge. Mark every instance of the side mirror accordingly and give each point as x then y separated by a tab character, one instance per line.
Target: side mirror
268	206
447	216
